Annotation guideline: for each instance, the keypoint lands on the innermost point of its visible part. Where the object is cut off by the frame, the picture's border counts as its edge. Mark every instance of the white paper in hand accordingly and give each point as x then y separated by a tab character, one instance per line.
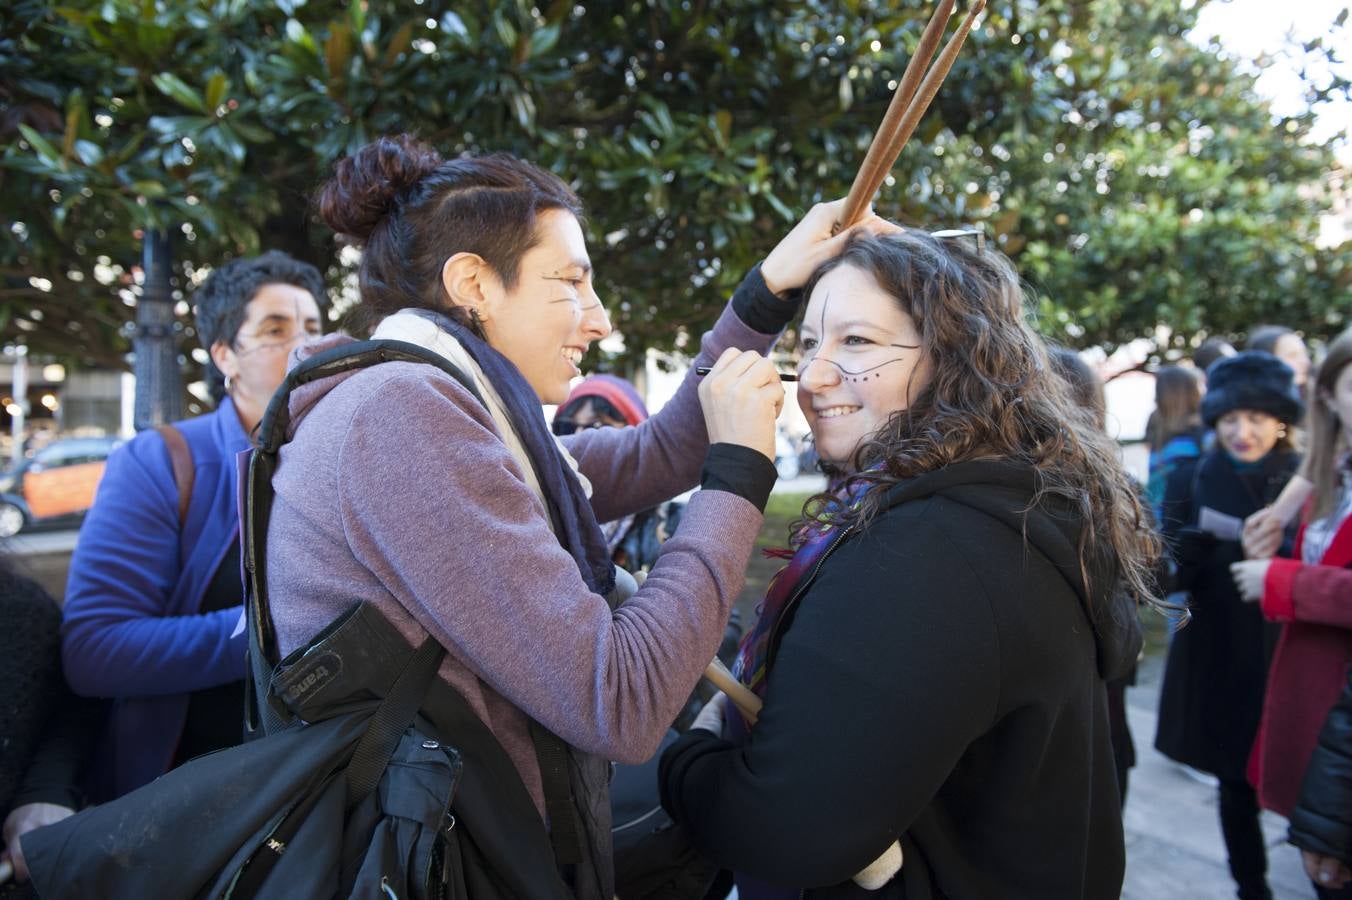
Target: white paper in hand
1220	525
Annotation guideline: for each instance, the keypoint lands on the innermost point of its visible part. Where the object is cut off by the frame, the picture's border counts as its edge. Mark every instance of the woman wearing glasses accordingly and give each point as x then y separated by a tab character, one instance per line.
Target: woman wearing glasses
932	660
154	593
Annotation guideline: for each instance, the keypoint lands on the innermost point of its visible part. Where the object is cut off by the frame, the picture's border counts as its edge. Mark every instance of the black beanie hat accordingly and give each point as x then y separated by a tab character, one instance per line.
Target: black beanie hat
1253	379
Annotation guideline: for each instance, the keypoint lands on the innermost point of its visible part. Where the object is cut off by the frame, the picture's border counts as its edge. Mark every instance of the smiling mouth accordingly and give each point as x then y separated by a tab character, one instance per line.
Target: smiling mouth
835	412
573	355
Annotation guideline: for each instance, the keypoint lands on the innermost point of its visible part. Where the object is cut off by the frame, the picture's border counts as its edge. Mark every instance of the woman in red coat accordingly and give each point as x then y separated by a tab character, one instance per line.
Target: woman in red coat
1310	595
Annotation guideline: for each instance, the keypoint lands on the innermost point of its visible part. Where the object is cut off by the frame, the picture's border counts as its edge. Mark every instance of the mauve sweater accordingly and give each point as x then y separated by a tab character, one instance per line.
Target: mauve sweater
397	489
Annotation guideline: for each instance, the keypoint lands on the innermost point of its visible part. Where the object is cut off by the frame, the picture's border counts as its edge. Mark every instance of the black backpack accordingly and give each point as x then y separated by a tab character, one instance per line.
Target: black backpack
370	776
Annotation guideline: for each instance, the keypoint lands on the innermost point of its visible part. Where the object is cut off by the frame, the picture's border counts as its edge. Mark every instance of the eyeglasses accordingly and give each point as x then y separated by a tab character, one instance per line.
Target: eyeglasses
272	338
975	238
564	427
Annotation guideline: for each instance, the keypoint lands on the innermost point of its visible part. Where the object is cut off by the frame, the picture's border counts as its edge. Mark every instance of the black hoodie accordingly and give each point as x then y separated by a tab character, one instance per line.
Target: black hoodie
941	682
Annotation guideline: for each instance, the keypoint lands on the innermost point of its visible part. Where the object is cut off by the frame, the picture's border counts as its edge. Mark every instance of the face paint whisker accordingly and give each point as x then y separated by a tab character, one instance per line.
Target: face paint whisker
850	372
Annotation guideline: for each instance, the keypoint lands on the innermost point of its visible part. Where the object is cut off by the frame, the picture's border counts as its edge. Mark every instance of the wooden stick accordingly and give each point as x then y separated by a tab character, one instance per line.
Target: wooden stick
741	696
874	168
906	126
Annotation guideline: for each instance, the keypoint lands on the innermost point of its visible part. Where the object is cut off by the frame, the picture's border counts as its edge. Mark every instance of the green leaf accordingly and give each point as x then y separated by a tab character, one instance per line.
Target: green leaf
338	51
543	40
90	153
523	106
399	44
252	133
43	146
506	32
150	189
296	33
453	25
173	86
217	85
356	10
224	137
72	15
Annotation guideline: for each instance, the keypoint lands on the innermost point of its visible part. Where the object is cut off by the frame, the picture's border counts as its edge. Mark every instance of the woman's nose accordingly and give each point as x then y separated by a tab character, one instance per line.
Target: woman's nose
595	322
817	373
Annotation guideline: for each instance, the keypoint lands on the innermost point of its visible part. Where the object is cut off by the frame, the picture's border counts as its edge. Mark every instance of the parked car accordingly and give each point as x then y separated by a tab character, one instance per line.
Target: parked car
55	486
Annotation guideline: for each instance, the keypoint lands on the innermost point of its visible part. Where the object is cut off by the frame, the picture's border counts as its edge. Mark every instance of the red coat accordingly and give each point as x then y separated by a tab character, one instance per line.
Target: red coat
1309	667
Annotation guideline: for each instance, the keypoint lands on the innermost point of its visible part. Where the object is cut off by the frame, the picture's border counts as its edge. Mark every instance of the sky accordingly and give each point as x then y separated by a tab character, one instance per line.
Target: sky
1249	29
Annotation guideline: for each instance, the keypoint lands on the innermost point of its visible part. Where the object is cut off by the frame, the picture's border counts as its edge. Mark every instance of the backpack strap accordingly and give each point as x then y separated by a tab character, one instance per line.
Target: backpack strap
180	460
263	710
261	714
391	720
367	764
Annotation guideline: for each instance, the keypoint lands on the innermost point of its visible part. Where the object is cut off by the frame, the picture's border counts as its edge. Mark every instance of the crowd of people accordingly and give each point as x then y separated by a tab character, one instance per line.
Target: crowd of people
935	676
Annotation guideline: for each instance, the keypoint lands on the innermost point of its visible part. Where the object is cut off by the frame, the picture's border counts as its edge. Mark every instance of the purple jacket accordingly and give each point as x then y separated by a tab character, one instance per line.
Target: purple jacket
131	629
397	490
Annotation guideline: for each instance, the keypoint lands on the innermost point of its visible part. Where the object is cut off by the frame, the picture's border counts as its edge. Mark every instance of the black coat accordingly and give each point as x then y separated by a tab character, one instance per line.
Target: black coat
940	682
1322	820
1212	697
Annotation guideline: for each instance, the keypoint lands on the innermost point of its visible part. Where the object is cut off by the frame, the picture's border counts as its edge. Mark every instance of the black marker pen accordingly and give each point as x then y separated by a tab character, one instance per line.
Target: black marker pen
783	376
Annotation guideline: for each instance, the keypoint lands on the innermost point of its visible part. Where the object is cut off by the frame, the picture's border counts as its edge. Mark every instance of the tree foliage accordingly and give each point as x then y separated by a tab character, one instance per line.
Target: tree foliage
1135	179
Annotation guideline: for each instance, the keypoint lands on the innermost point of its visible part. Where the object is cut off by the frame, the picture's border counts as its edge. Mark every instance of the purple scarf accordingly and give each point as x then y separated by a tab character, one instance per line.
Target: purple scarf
751	665
569	509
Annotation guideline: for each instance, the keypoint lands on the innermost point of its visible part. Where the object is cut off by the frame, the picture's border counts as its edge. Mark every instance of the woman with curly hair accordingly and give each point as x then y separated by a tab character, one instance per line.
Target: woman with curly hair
932	660
155	592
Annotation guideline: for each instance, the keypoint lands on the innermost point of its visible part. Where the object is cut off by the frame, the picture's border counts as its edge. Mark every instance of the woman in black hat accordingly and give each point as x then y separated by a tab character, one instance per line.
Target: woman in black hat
1213	686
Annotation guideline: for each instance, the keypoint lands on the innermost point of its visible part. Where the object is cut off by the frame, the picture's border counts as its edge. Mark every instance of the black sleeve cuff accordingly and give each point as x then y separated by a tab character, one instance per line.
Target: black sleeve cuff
762	310
675	763
739	470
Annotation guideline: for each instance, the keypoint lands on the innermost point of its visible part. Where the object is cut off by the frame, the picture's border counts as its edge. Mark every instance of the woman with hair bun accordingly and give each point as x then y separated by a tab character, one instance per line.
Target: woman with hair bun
932	659
469	522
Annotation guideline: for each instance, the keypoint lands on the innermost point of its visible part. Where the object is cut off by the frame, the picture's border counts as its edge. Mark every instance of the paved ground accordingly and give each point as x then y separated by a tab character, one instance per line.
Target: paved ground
1174	847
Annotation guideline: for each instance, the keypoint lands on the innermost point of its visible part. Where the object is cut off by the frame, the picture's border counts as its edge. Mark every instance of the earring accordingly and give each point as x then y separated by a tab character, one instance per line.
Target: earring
1281	432
476	320
227	384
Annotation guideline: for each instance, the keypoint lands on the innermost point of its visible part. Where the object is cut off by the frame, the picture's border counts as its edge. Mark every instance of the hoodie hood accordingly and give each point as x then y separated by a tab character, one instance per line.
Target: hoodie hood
304	398
1005	491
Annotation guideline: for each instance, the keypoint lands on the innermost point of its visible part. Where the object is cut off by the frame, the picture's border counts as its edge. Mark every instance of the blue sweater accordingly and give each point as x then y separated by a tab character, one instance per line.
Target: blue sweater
131	628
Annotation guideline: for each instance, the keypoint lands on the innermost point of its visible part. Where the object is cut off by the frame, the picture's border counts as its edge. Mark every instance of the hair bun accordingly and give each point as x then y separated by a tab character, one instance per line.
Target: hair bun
366	184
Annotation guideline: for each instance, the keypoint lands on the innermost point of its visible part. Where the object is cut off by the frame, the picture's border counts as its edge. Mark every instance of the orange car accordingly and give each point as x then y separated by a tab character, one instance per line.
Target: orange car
55	486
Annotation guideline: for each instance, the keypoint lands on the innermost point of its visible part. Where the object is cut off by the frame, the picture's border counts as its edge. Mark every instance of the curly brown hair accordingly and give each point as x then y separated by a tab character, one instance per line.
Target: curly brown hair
991	394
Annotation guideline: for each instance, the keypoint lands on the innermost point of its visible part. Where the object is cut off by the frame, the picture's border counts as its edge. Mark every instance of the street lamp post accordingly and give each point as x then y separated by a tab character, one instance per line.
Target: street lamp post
159	382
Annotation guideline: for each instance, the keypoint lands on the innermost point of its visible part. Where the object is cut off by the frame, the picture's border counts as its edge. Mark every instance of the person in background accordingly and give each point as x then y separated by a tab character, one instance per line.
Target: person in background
155	595
45	732
1284	344
1176	432
1321	821
1087	390
1212	696
606	401
1211	350
931	661
1309	595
